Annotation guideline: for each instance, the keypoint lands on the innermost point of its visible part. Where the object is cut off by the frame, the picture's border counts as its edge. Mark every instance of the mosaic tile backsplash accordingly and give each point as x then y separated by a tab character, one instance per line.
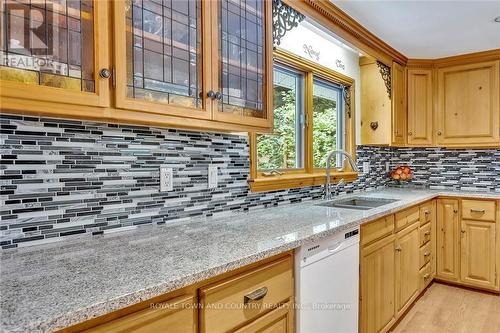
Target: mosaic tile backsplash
63	178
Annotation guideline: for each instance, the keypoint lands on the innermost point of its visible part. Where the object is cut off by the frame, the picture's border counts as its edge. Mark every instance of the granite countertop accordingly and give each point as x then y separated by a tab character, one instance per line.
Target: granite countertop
48	287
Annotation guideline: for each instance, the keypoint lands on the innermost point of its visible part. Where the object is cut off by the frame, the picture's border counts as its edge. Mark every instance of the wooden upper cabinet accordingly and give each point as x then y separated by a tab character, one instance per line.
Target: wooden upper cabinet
420	104
376	124
241	43
468	104
398	104
163	57
209	60
60	61
383	103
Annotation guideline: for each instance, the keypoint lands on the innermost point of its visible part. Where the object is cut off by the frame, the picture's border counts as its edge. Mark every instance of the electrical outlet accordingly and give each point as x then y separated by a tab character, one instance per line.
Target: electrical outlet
366	167
212	176
166	179
387	167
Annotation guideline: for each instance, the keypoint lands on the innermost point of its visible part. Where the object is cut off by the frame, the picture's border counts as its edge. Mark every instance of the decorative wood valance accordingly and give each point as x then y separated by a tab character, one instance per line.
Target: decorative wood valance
385	71
285	18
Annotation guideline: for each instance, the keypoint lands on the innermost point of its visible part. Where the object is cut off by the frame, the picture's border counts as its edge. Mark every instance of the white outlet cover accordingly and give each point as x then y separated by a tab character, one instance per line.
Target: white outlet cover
213	171
366	167
166	179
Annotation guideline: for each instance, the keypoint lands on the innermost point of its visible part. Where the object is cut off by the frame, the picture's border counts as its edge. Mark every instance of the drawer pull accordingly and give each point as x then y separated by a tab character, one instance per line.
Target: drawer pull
427	233
475	210
398	248
255	295
426	254
426	212
426	276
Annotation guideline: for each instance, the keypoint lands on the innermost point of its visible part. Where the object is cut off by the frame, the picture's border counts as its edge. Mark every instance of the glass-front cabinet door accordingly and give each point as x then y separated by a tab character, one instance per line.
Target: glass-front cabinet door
243	43
162	56
51	51
194	58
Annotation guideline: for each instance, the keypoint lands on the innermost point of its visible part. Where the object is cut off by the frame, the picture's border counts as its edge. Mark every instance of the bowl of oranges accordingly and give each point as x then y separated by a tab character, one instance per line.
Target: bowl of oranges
402	173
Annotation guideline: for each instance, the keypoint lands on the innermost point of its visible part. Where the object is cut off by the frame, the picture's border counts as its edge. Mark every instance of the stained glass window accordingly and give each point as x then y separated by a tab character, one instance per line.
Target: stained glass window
48	43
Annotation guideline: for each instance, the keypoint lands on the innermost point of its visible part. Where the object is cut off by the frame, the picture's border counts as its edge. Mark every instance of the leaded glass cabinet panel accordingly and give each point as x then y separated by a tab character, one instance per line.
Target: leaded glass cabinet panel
244	65
161	56
49	50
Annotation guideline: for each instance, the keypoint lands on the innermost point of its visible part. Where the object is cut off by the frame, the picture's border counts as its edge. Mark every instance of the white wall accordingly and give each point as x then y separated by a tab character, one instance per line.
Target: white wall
330	50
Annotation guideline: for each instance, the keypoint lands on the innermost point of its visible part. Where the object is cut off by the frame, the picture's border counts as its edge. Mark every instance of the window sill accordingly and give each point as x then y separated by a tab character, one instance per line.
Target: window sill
288	181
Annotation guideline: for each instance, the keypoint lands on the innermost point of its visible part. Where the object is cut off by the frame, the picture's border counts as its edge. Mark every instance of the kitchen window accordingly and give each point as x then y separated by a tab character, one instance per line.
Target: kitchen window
311	118
283	150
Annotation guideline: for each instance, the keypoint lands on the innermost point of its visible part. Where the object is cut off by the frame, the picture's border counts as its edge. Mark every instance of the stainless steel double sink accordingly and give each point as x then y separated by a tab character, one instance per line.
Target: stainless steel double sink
359	203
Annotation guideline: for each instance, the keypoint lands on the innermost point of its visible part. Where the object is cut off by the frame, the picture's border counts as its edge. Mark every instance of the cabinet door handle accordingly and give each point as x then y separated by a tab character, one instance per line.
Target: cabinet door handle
410	133
476	210
427	233
426	276
427	212
105	73
426	254
439	133
398	248
211	94
255	295
462	231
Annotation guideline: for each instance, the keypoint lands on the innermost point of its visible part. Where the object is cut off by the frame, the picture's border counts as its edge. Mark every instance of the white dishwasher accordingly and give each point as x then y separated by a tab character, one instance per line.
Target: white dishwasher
327	284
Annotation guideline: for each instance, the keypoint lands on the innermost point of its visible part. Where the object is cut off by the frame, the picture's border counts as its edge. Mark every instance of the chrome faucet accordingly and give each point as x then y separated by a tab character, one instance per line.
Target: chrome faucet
354	167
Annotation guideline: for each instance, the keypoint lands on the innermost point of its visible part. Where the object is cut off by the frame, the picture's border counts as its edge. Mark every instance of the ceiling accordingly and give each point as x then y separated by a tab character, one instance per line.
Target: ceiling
429	29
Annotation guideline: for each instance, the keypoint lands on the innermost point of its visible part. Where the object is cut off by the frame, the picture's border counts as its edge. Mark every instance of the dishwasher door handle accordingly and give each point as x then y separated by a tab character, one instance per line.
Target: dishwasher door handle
335	247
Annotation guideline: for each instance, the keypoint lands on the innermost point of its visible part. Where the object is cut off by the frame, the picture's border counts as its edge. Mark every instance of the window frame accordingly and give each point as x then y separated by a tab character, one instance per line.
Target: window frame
308	175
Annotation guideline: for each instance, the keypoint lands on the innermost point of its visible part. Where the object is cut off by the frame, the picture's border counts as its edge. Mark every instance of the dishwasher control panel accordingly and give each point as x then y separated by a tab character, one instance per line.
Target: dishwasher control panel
319	249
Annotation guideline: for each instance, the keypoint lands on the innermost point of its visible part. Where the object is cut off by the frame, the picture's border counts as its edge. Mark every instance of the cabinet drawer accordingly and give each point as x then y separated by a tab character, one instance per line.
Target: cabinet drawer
407	217
276	321
244	297
377	229
425	276
173	316
478	210
425	213
425	234
425	254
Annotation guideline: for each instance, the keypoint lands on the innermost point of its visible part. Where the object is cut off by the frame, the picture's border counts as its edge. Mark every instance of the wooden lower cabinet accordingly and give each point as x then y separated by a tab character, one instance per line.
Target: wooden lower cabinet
233	302
407	267
177	315
279	320
378	286
448	240
478	254
468	253
395	268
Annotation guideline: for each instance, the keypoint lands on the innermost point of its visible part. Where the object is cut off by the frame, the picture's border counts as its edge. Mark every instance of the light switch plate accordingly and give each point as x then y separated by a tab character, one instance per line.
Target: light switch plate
366	167
212	176
387	167
166	179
